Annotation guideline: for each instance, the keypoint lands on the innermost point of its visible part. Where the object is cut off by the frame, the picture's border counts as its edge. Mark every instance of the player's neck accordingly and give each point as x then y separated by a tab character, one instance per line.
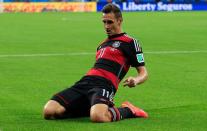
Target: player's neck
118	31
116	35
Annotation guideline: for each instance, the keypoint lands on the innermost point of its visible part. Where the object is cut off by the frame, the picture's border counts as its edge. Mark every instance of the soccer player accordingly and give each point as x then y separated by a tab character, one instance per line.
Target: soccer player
93	94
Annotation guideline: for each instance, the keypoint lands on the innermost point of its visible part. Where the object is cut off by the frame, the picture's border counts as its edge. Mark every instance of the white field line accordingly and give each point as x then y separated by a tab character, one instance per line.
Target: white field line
49	54
91	53
176	52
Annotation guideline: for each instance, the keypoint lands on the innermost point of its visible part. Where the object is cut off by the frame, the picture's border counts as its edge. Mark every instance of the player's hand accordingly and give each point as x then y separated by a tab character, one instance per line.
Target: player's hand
130	82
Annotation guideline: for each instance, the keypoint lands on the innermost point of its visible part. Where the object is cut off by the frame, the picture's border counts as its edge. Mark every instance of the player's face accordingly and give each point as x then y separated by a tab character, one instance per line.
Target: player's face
112	25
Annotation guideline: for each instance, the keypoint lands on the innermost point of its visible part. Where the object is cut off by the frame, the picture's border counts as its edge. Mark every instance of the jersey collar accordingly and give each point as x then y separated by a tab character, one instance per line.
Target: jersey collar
116	35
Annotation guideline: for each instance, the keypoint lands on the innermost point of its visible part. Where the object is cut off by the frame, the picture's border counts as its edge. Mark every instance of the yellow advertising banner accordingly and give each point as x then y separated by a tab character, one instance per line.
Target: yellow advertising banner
50	7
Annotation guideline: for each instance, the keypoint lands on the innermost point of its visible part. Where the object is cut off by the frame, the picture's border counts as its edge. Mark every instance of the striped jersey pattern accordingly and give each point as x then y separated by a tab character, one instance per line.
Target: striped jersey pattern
114	57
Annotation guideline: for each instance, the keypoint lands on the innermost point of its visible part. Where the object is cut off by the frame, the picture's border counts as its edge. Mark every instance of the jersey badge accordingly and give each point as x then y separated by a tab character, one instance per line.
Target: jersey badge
116	44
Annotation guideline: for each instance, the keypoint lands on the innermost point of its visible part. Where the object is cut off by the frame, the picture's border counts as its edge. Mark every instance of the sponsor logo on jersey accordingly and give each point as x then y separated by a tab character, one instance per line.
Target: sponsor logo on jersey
140	58
116	44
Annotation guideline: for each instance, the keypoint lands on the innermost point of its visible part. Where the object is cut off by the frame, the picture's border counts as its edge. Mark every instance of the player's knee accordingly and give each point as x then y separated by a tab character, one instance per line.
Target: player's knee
52	110
98	114
48	113
97	117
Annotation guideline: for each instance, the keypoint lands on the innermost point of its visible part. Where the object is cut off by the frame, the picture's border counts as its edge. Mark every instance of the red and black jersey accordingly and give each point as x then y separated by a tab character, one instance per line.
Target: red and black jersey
115	56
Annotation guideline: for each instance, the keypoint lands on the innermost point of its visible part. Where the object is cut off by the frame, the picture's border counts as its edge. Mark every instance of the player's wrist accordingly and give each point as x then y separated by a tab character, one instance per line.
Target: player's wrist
137	81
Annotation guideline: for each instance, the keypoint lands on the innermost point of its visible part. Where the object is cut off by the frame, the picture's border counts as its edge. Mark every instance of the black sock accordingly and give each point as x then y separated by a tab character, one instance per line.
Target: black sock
125	112
120	113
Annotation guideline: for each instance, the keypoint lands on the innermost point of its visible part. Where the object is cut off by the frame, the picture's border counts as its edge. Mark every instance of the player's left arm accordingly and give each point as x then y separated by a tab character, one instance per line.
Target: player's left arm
136	58
141	77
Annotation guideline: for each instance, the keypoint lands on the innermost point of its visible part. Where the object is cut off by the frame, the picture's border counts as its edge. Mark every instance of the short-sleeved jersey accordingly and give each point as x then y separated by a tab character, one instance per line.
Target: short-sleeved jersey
114	57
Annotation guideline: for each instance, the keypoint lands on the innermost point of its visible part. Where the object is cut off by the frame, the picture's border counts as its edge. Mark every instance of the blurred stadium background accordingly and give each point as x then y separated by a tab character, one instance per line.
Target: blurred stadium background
137	1
93	5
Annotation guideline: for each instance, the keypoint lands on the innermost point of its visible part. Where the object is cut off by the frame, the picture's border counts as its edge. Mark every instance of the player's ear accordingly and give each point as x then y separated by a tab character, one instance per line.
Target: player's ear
120	20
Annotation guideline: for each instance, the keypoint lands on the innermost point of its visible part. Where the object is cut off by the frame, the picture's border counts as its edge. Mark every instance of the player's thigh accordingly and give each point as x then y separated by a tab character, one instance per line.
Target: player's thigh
73	100
101	99
99	95
67	98
82	108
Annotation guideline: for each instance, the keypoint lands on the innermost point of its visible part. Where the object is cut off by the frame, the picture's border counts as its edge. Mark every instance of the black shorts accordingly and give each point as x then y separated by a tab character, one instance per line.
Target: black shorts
90	90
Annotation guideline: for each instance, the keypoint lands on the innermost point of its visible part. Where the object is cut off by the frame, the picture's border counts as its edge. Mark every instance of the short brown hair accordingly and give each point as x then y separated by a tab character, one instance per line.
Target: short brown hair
111	8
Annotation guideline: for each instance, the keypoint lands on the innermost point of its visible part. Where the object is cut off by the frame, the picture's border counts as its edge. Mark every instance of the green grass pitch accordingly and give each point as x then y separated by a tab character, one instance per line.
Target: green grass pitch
175	46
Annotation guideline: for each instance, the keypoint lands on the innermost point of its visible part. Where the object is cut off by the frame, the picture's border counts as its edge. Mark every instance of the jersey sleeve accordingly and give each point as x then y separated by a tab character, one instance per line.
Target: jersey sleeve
134	53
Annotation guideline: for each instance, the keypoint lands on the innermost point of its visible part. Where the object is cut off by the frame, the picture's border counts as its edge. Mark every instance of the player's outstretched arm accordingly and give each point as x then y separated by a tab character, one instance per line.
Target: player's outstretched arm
140	78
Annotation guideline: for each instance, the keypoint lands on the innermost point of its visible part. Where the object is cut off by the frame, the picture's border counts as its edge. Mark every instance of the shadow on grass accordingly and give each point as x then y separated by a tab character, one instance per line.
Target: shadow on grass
79	119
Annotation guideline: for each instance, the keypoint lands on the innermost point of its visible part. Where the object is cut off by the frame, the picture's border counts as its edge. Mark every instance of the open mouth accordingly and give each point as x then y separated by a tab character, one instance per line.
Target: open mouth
108	31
